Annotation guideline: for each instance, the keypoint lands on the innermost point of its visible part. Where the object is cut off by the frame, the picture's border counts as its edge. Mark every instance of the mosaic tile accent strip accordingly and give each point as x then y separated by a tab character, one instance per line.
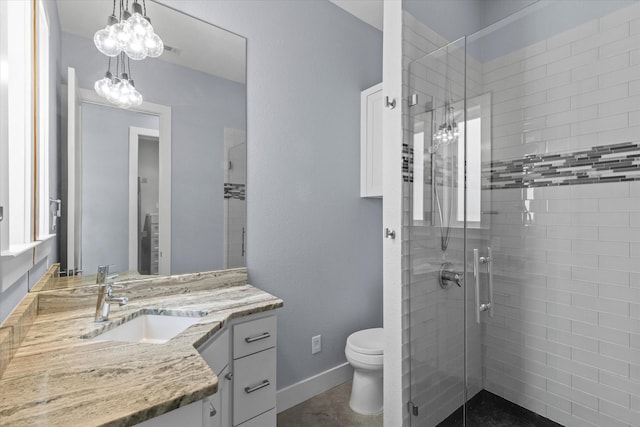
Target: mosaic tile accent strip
605	163
407	163
234	191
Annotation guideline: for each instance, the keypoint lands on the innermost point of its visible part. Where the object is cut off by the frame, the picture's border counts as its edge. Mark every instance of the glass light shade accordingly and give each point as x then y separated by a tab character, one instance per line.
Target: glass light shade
122	34
136	98
138	26
113	95
103	87
106	41
136	49
154	46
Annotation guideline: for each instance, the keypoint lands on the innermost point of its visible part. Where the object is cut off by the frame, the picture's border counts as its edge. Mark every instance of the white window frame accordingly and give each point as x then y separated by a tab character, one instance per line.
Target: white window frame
43	216
21	164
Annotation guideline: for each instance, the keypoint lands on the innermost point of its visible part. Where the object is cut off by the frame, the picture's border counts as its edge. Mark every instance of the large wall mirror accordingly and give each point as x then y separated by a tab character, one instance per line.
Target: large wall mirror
157	188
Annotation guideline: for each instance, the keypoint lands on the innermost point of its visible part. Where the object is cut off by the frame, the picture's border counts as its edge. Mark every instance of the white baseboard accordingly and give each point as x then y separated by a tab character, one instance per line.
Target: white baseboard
299	392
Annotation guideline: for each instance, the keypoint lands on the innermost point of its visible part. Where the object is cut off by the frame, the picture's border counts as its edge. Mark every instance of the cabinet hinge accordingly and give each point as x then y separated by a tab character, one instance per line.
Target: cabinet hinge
413	100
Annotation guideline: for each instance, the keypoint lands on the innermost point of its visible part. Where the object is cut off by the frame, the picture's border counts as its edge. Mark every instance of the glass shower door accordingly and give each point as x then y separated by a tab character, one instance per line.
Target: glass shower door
448	124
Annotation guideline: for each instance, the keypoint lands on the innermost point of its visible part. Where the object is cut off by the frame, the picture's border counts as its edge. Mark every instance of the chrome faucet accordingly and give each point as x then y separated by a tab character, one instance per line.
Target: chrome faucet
105	297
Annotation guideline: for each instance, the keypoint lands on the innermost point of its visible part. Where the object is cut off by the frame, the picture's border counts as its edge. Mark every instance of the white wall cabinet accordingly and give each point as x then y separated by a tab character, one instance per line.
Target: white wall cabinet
243	356
371	107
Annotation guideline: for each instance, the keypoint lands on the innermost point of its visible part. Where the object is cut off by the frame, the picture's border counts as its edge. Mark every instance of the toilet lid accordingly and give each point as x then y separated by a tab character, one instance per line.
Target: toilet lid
367	341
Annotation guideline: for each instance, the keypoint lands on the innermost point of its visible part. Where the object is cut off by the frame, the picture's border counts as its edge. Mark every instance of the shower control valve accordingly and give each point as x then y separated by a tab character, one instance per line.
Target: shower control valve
448	276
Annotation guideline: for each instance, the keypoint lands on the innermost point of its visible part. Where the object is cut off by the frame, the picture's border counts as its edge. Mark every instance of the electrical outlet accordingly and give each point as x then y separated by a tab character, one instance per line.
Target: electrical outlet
316	344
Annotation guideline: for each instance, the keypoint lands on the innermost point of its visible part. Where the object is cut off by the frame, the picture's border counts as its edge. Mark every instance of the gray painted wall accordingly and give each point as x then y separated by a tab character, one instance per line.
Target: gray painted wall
202	105
105	184
311	239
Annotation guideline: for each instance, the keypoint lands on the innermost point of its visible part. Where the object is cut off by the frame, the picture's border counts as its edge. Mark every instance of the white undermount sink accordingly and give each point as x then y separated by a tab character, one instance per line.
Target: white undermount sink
149	328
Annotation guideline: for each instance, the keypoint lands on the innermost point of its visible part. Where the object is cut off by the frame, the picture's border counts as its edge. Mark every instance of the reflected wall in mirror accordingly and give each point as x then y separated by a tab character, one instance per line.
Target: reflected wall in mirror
200	79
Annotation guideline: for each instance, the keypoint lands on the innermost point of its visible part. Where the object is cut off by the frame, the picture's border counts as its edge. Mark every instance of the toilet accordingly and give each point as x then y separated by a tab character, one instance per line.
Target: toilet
364	351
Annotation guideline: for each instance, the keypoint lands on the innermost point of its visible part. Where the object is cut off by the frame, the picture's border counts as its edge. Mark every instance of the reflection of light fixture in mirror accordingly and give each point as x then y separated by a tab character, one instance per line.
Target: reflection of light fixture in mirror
130	33
448	131
119	91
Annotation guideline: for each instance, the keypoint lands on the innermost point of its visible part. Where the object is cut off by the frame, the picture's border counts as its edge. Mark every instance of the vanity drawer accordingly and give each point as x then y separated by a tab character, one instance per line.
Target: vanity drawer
268	419
256	335
254	385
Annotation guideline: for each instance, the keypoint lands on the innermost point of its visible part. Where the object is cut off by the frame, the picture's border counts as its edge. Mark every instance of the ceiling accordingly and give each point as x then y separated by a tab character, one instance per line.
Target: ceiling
177	30
369	11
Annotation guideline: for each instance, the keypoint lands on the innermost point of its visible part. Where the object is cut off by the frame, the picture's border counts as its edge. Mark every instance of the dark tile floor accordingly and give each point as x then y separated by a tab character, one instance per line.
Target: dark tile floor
329	409
487	409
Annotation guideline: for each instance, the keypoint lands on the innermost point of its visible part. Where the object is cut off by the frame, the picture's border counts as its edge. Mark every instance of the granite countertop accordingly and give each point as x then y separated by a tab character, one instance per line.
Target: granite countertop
55	376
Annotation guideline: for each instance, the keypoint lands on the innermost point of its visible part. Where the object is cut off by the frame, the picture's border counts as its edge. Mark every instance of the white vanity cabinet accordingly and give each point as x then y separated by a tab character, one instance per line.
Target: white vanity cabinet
371	107
254	372
243	356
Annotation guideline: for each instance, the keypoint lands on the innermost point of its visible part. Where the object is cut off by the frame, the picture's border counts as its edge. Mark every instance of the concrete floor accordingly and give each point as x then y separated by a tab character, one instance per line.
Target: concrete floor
329	409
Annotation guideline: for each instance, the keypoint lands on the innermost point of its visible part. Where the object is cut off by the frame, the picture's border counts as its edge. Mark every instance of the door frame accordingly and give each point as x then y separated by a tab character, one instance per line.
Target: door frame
163	112
134	143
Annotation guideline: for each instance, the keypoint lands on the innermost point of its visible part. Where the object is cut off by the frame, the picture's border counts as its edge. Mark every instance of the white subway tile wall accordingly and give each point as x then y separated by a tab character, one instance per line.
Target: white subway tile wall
565	338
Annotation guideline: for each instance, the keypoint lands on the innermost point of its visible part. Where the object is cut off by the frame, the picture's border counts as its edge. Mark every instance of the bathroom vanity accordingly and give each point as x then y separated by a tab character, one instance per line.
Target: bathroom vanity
220	371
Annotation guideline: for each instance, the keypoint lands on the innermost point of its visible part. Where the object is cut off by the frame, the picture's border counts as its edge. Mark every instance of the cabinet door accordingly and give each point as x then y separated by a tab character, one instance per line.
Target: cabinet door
224	381
214	411
218	413
371	142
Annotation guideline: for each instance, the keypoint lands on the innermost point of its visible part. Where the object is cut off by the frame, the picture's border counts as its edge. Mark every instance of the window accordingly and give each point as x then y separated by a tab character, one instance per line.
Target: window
474	184
24	148
43	118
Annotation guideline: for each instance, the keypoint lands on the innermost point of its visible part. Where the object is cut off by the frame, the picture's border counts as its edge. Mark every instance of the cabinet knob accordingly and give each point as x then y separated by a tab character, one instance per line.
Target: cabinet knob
229	376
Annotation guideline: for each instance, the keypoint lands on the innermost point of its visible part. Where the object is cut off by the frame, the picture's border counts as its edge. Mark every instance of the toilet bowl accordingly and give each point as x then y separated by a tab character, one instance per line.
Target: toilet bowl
364	351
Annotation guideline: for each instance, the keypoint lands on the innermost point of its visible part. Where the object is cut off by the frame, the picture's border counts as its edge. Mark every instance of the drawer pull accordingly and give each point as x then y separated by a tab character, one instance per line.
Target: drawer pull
212	411
263	384
262	336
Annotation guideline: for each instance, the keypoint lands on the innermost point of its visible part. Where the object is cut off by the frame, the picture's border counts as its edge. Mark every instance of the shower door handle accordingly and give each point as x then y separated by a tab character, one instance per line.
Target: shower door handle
476	276
489	261
477	260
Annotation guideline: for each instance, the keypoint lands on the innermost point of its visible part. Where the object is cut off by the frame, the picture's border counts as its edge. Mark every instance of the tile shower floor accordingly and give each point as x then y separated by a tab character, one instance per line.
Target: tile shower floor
329	409
487	409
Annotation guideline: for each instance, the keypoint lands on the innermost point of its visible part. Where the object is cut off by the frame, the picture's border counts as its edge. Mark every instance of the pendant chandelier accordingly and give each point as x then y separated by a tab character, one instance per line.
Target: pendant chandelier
131	33
448	131
121	90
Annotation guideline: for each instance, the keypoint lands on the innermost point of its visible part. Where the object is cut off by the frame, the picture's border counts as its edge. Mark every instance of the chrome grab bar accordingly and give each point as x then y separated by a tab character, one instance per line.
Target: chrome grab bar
477	260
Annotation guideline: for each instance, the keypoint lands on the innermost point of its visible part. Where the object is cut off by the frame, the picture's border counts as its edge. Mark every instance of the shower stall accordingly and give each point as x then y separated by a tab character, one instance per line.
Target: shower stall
521	219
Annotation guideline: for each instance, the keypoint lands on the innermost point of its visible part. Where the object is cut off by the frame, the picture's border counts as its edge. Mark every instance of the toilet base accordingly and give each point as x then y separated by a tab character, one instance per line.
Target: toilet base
366	392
